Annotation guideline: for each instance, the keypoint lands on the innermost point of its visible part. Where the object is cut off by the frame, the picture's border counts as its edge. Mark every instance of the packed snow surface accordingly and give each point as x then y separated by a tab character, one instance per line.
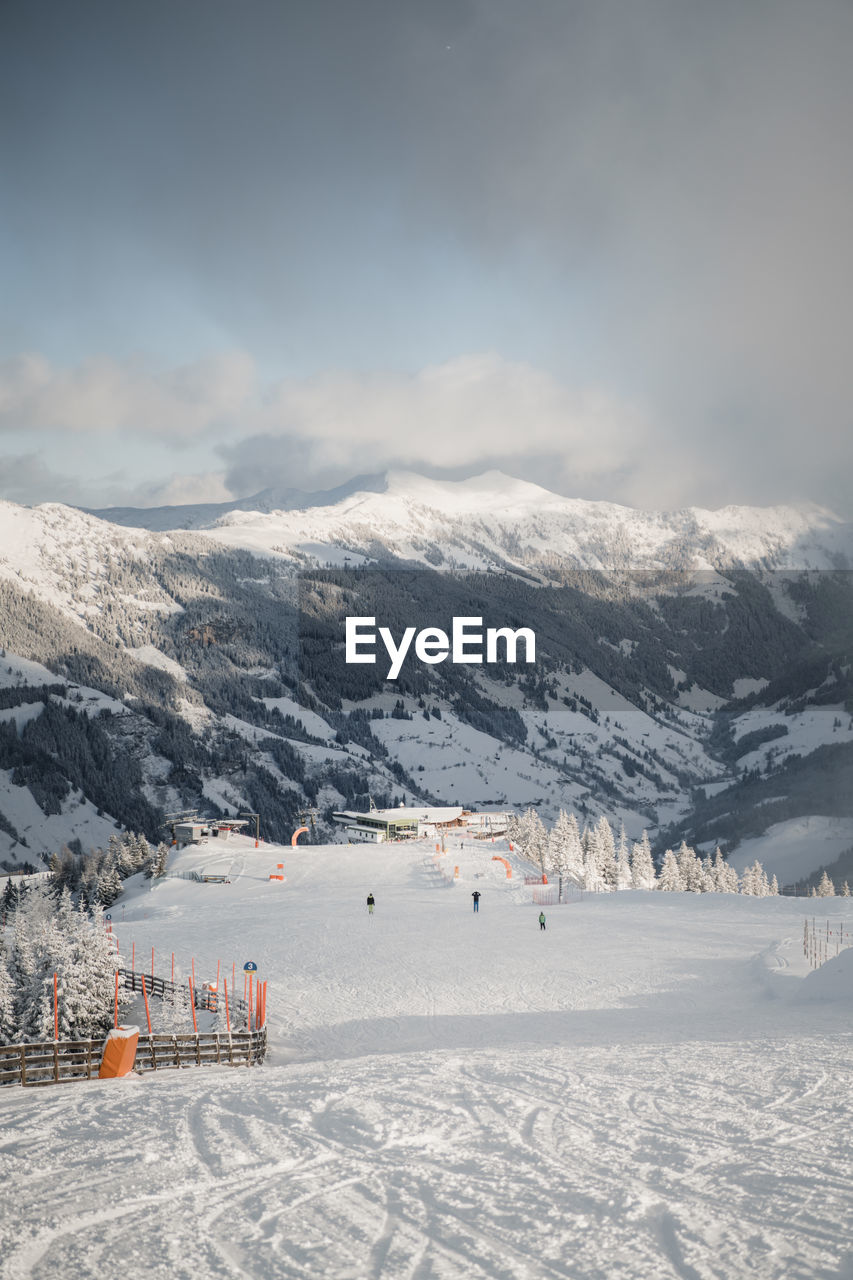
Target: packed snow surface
644	1089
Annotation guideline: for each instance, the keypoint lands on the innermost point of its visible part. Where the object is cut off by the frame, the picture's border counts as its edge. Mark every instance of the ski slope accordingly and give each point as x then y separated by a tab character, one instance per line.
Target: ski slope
656	1086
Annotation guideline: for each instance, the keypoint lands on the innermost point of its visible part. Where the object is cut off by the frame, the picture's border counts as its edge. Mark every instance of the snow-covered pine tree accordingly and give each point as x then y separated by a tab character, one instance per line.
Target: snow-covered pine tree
642	864
593	879
96	962
689	868
533	838
120	853
774	887
109	885
161	858
8	1024
825	888
606	852
574	852
760	881
728	876
669	880
565	859
845	890
9	902
624	878
557	862
90	876
38	952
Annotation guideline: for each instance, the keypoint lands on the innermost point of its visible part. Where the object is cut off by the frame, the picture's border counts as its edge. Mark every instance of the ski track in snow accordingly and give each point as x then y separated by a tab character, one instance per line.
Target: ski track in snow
699	1160
445	1099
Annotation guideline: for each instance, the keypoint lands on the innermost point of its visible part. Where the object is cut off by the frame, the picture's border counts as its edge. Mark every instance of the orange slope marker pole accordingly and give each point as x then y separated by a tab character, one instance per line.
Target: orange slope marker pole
249	1023
192	1005
145	997
227	1016
55	1010
115	1018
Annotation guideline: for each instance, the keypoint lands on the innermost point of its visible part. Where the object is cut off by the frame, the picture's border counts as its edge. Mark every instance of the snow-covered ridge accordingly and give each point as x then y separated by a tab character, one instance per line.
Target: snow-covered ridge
487	521
494	520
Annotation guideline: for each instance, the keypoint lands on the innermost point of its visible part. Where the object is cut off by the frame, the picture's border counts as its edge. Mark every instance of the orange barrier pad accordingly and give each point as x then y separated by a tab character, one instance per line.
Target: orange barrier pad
119	1052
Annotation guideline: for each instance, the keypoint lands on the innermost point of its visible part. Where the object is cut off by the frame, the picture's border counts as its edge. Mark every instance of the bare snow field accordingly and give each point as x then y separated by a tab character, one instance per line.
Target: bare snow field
655	1086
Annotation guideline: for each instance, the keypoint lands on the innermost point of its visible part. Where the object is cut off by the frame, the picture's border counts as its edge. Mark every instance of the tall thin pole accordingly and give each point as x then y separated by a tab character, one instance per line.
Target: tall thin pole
192	1005
145	997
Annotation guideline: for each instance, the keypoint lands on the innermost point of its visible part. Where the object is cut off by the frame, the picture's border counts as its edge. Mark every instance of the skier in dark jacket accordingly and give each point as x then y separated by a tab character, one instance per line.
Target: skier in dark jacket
541	919
370	904
476	896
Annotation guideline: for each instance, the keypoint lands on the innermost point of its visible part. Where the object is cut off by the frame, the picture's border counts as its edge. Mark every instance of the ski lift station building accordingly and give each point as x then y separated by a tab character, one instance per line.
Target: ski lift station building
408	823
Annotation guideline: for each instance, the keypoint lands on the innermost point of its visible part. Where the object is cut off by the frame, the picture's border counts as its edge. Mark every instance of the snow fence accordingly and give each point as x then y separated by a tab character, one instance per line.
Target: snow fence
65	1061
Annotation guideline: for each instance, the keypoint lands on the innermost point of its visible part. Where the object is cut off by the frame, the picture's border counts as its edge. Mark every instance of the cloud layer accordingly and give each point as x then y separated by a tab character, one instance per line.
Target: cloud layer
639	210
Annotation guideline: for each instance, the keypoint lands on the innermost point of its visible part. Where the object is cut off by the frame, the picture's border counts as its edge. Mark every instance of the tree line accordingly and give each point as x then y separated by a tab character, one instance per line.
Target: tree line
595	859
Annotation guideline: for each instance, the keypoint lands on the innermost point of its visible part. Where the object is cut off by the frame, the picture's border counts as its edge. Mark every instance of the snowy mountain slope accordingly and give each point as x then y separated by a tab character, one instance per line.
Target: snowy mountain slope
493	520
653	1087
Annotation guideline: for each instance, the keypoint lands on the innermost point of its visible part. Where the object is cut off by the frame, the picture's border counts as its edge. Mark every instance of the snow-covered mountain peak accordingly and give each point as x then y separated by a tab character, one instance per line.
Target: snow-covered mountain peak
486	492
494	520
488	521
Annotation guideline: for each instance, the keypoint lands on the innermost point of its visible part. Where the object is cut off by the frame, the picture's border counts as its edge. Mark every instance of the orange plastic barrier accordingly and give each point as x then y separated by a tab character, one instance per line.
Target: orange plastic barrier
119	1053
495	858
297	833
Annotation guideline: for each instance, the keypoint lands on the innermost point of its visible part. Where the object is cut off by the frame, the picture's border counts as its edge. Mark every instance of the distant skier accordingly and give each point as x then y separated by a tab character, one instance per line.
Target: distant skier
370	904
476	896
541	919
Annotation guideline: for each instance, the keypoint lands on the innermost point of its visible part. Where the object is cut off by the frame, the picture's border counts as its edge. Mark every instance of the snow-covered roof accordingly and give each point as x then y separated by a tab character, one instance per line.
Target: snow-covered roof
405	814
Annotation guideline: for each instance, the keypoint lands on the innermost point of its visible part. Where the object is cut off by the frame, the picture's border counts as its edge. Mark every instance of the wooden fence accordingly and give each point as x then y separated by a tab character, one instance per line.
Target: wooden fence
64	1061
205	998
240	1049
53	1062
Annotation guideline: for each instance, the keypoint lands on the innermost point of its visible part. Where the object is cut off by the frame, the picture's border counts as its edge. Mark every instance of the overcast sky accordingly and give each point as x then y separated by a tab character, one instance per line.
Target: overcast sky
602	245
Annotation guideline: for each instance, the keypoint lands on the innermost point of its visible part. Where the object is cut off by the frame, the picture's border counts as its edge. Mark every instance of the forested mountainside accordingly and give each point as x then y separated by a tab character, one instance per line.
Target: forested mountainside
143	673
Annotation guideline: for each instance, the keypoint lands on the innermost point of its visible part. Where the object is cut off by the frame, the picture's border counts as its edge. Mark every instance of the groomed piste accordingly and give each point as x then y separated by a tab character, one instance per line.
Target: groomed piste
656	1085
